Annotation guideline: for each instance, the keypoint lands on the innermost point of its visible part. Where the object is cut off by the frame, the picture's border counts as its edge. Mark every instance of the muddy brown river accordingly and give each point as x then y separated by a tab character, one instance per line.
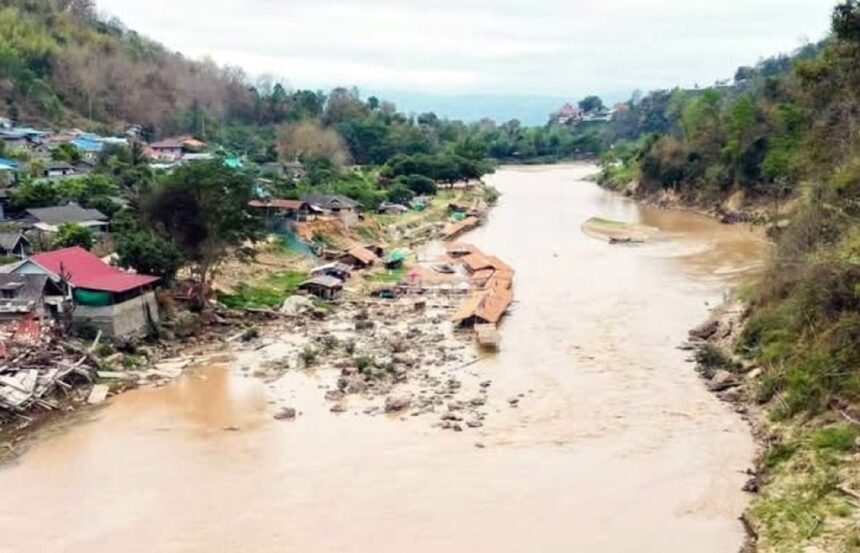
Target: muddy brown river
616	446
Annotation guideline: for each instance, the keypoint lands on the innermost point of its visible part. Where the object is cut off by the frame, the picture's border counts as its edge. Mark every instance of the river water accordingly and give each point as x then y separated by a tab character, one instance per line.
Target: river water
616	446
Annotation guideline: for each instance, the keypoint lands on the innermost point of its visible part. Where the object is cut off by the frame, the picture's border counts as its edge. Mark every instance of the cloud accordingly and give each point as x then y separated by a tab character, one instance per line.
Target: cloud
501	46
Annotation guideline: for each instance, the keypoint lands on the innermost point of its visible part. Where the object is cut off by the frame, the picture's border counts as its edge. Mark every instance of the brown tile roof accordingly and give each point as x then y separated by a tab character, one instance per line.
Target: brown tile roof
494	306
469	307
489	306
476	261
363	254
499	265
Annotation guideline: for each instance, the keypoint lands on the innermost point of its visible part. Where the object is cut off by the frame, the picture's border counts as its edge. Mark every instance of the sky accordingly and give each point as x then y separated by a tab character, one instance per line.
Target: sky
472	48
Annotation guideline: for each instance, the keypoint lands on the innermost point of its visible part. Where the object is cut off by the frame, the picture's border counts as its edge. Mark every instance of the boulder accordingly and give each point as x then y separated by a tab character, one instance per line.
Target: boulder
705	330
395	403
722	380
296	305
286	413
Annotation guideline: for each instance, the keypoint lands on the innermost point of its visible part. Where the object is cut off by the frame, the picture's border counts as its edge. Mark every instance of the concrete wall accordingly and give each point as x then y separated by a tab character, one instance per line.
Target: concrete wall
121	320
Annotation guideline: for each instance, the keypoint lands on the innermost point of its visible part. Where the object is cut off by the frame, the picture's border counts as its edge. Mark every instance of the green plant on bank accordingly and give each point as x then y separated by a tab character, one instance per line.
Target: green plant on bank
801	502
269	292
309	356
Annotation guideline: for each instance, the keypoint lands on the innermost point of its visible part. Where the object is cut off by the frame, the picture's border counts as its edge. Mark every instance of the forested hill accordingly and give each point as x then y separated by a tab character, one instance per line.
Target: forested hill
61	63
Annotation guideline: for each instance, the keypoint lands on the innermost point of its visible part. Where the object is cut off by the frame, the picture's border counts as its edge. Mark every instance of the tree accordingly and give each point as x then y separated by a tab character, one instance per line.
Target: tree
399	192
590	104
72	234
846	20
309	139
35	193
203	208
66	152
417	184
148	253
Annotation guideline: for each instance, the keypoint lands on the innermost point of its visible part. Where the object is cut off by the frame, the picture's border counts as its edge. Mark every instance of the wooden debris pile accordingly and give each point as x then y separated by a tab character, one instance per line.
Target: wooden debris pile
33	372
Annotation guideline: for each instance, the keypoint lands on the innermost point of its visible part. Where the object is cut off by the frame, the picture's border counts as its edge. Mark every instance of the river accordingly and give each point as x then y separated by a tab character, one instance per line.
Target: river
616	446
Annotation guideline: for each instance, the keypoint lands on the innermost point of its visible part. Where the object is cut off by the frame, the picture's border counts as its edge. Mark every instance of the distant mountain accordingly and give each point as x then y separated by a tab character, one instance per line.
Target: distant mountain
529	110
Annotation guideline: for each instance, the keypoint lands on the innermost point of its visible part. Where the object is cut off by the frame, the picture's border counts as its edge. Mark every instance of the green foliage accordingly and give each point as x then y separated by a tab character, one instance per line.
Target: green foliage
591	104
710	359
846	20
36	193
148	253
91	191
840	438
418	185
269	292
66	152
73	234
203	209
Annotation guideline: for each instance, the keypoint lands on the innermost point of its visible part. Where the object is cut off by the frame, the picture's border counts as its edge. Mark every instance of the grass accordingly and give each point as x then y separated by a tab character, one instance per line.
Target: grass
387	276
800	504
269	292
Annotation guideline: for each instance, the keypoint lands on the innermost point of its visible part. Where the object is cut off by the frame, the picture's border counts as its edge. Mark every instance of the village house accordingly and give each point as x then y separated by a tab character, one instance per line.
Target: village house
59	170
14	244
118	303
484	307
167	151
337	270
279	213
49	219
335	205
24	296
358	257
323	287
14	140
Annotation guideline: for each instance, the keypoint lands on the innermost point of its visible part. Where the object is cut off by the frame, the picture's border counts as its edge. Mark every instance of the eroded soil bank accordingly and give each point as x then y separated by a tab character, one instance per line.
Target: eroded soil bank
615	445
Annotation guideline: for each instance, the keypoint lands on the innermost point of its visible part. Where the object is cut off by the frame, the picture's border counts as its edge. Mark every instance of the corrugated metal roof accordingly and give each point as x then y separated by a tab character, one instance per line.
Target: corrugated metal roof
325	281
71	213
84	270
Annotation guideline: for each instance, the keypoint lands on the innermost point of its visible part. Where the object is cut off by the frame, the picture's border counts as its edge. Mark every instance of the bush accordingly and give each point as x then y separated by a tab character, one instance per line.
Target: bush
149	253
72	234
710	359
840	438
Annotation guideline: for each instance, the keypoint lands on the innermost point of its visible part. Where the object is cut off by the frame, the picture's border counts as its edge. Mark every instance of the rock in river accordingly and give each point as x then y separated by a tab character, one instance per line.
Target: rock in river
722	380
287	413
397	403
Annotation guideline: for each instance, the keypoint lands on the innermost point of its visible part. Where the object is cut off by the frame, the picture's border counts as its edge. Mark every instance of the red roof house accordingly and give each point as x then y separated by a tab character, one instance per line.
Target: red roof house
104	297
82	269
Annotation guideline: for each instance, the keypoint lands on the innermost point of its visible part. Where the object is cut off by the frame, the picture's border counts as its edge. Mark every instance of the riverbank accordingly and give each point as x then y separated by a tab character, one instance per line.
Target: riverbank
805	481
806	478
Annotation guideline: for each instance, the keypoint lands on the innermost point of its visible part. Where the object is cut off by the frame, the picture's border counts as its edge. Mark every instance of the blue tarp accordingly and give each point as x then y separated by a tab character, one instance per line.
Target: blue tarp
87	145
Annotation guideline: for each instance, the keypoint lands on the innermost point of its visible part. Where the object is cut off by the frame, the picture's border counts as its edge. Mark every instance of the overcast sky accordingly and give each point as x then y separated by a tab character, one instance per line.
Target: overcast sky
534	47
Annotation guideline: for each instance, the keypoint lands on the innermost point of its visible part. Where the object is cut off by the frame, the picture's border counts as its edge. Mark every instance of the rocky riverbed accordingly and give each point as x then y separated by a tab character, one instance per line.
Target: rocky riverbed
399	357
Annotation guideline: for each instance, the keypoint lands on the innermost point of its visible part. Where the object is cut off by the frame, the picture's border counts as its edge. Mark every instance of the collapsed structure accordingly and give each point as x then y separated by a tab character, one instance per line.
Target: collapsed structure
491	282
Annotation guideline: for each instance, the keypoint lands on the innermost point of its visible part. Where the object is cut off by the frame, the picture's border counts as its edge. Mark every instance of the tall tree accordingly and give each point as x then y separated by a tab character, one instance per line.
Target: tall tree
203	208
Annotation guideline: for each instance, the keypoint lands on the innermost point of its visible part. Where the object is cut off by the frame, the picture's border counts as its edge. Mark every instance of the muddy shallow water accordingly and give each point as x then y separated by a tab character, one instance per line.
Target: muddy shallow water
616	446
